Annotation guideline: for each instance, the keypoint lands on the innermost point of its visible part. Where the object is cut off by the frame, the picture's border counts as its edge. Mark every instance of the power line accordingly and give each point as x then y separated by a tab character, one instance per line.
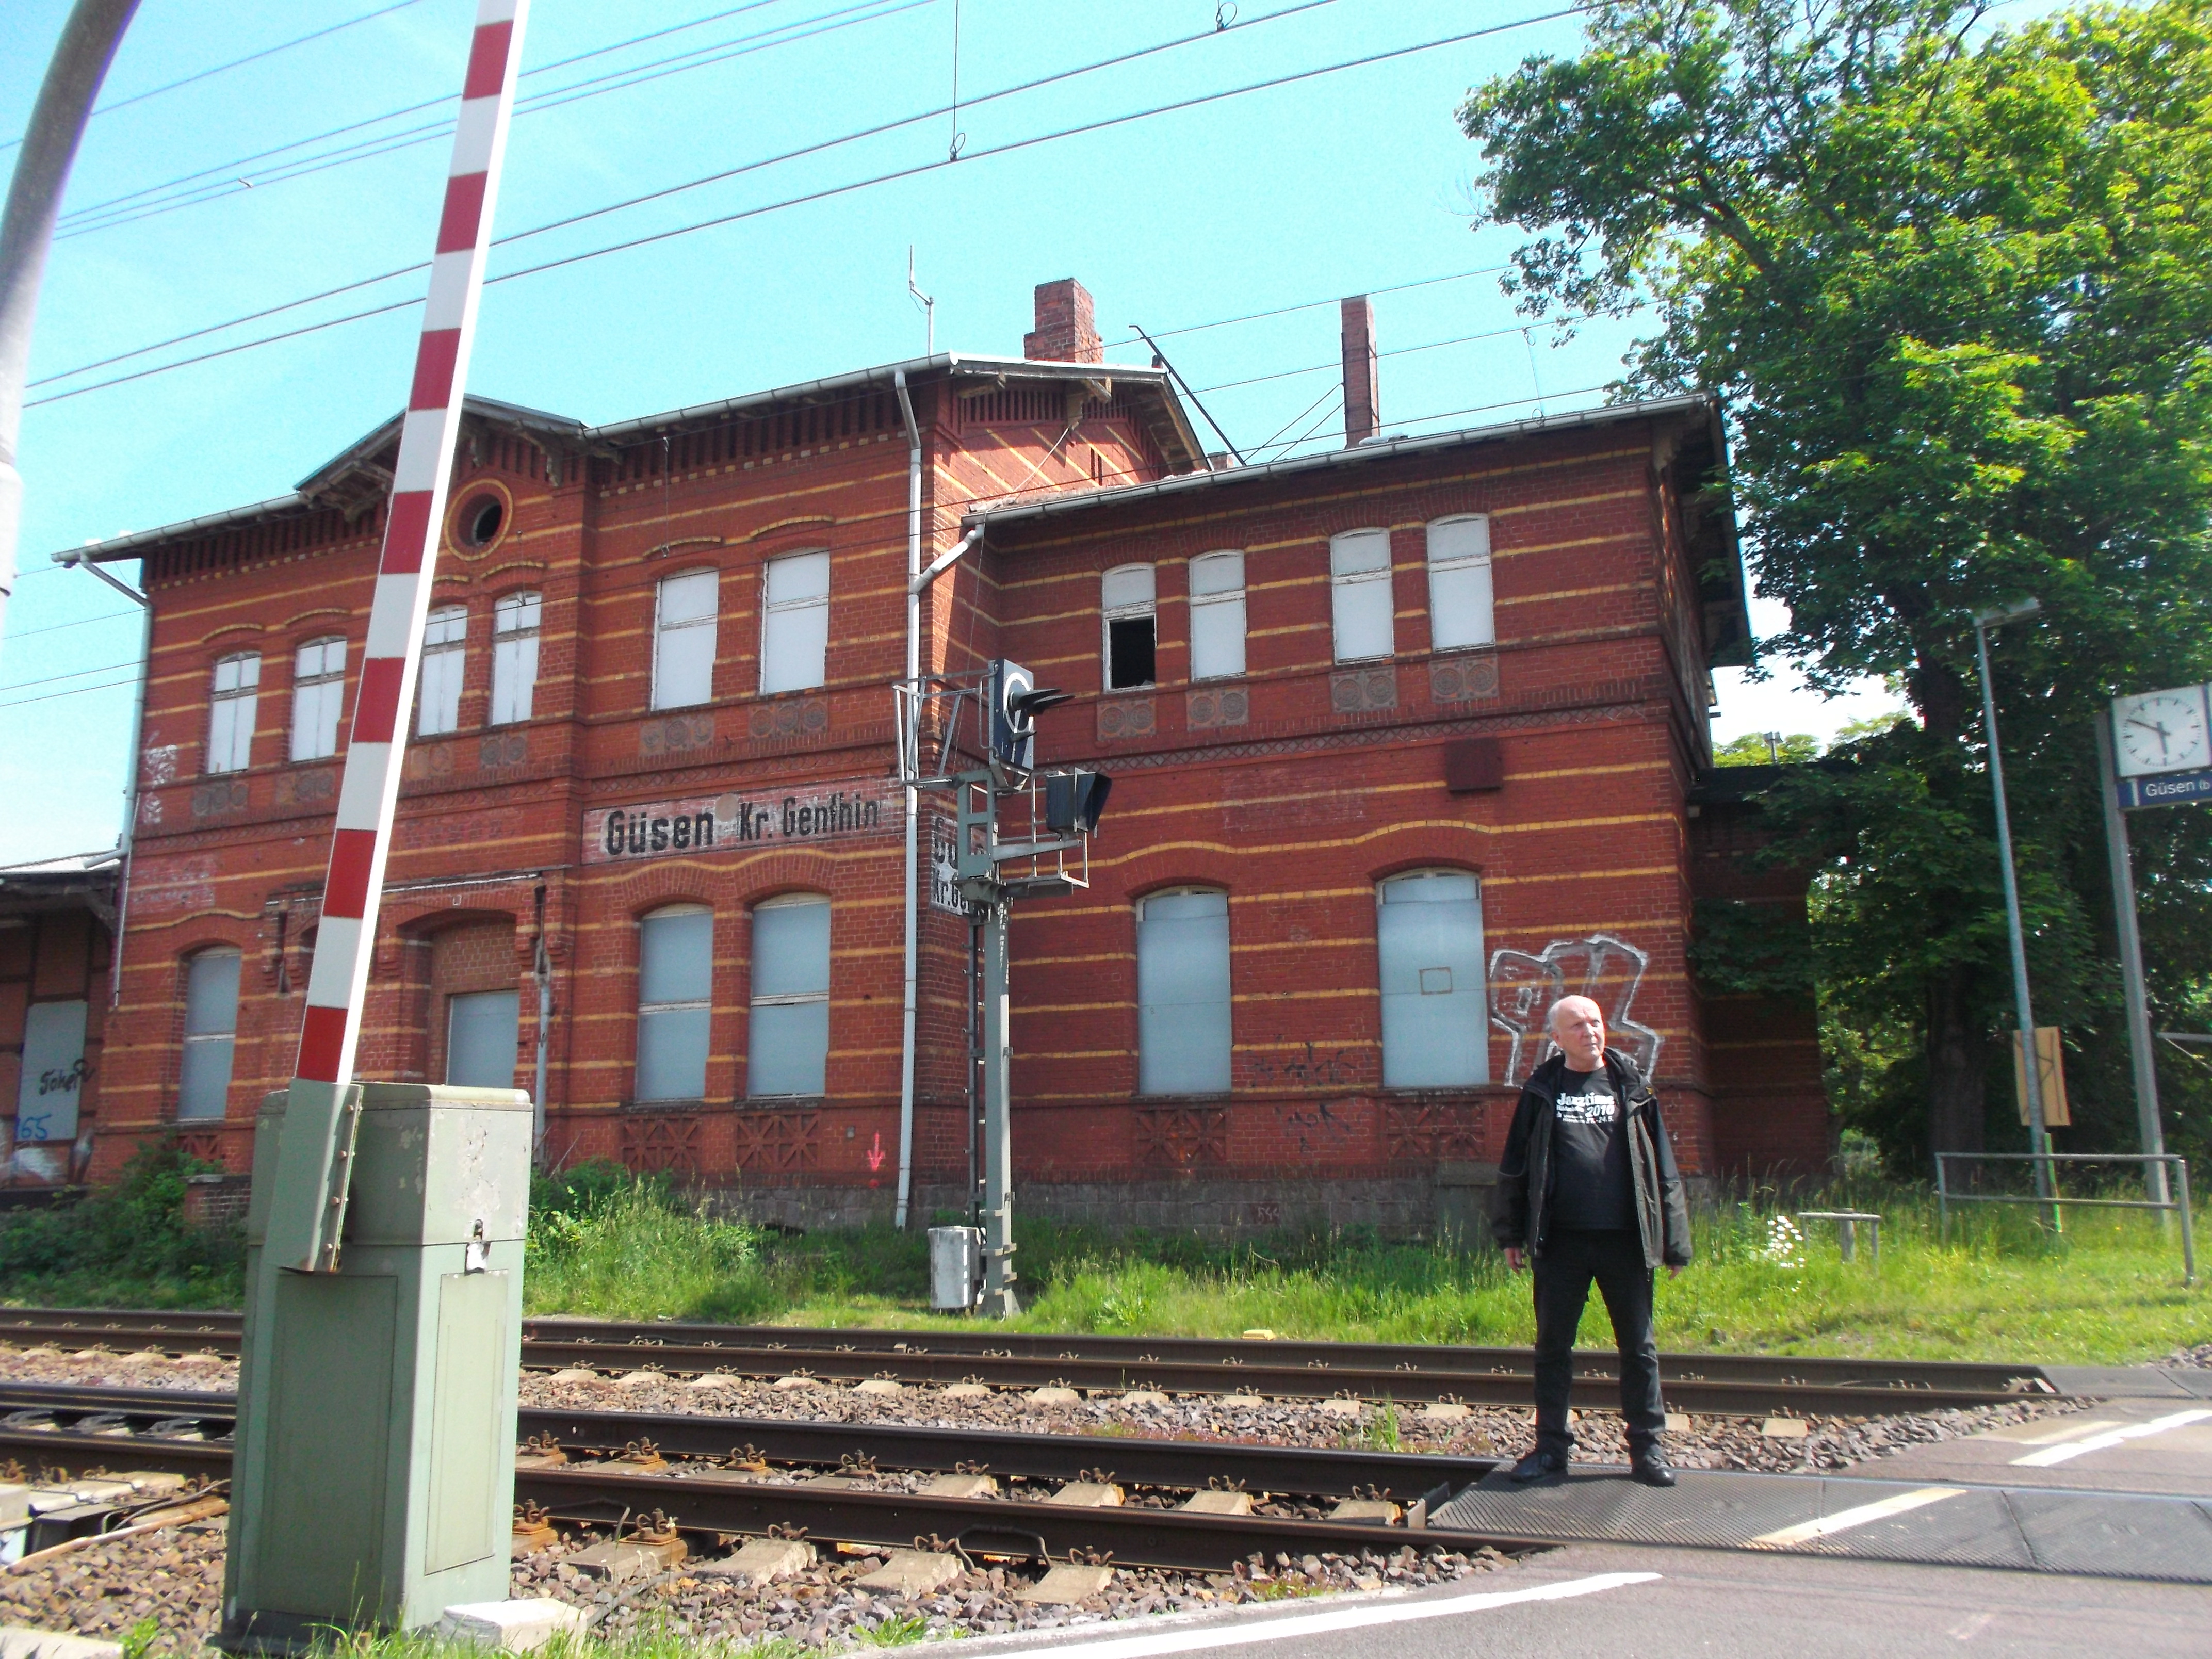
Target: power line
613	81
48	697
815	147
1314	304
828	192
55	628
236	63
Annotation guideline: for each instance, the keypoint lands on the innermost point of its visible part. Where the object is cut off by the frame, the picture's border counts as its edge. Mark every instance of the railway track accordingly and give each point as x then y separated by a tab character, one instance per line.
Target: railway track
1741	1383
1018	1496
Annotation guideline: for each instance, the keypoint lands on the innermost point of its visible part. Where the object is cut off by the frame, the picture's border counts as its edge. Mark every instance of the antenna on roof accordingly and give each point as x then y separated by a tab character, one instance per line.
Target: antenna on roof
928	305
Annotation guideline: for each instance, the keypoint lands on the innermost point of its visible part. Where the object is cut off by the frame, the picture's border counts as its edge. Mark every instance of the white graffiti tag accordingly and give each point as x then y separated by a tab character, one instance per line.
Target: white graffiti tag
1606	969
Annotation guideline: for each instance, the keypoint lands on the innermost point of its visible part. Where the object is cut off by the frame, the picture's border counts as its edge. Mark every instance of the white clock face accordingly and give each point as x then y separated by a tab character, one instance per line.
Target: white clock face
2161	731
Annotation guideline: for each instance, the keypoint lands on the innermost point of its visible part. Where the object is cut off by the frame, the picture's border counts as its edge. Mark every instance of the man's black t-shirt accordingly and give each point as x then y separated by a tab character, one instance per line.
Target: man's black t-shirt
1590	1156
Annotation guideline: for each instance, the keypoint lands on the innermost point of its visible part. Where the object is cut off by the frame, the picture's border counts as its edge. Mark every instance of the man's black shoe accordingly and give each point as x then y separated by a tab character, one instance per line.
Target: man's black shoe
1648	1465
1537	1464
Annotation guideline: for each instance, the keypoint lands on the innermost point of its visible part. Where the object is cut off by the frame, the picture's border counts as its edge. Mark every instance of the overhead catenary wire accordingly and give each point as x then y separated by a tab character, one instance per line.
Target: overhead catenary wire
845	16
1308	304
664	192
828	192
236	63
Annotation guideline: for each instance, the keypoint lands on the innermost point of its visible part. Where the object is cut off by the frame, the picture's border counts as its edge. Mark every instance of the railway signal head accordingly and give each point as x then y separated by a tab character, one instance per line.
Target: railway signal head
1074	801
1016	701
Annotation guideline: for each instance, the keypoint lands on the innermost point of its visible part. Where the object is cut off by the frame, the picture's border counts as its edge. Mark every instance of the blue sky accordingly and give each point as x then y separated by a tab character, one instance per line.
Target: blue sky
1349	182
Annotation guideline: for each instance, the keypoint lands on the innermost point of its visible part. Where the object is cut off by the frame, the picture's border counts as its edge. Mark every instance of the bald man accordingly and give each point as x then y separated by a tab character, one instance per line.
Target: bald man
1588	1192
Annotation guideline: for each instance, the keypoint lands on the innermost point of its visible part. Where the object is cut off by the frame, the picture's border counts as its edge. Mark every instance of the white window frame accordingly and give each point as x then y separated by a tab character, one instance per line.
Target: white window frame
1156	1072
234	701
1404	1066
1126	610
788	999
681	1005
515	621
198	1042
665	695
444	665
794	627
318	697
1462	607
1217	616
1356	587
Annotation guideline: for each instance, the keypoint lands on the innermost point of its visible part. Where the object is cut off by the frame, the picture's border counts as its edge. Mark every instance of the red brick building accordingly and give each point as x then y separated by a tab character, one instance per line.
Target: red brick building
1404	738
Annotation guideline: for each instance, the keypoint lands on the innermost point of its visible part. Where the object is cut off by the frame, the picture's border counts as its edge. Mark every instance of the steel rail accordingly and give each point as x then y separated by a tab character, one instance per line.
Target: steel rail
1716	1382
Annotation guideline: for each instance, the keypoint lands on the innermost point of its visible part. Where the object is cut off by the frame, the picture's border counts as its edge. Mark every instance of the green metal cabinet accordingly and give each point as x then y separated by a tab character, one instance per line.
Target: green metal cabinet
372	1484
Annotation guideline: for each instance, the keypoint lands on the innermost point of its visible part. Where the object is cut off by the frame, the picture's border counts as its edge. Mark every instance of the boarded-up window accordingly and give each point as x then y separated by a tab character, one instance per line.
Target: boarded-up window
1359	594
445	655
1182	993
1435	1017
1217	616
1125	604
683	639
514	657
210	1033
482	1028
234	696
788	1049
53	1072
675	1001
1460	611
794	622
318	689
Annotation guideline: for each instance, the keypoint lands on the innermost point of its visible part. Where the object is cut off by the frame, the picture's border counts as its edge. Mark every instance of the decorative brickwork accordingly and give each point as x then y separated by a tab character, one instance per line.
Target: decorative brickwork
1463	679
1182	1137
1121	717
1362	691
661	1143
1227	705
779	1141
1427	1131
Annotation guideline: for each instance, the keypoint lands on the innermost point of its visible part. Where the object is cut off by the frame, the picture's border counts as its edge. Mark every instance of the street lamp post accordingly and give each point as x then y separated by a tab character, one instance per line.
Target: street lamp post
2039	1137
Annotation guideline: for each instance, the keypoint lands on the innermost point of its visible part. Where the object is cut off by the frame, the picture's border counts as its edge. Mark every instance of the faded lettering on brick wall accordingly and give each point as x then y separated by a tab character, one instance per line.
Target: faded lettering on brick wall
737	822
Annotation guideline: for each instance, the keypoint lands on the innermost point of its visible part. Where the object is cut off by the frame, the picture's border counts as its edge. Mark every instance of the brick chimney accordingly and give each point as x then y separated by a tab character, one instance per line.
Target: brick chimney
1065	332
1362	400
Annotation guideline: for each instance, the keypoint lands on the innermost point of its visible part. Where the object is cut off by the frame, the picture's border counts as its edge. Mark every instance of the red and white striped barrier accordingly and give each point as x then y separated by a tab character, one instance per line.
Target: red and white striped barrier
355	882
307	1204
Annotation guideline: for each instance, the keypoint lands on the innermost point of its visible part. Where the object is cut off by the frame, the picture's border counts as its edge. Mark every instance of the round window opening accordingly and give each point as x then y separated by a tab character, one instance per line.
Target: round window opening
480	521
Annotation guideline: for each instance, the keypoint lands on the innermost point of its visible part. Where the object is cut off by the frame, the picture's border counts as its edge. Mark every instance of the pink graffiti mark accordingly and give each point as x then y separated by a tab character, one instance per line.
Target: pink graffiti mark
876	1154
1606	969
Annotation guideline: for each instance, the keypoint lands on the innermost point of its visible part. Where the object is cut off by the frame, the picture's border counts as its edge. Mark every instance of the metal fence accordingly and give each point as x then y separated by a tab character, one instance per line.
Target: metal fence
1946	1196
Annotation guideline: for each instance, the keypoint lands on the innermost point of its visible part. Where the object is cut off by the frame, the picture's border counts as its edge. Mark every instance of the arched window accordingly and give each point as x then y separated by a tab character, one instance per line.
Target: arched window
1125	607
1360	605
685	612
675	1002
318	689
232	702
789	1047
445	655
1182	993
1435	1014
514	656
210	1034
1217	616
794	622
1460	610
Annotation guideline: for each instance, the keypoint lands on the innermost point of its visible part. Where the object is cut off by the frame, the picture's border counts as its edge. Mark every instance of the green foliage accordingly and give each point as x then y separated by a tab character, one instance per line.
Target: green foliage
1954	285
125	1243
607	1242
1751	749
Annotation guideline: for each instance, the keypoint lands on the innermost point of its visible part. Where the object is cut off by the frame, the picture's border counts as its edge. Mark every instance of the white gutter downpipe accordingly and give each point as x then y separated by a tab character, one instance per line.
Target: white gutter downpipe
125	843
913	805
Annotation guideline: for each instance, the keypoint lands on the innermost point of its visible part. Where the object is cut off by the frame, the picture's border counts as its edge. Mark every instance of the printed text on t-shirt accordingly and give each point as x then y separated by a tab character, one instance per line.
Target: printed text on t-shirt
1592	1108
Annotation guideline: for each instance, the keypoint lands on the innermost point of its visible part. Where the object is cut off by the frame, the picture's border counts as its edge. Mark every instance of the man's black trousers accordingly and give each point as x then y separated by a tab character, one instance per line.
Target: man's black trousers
1563	1270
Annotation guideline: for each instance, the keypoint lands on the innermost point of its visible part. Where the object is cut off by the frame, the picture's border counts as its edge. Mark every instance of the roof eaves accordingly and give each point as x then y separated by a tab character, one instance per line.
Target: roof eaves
1127	493
126	547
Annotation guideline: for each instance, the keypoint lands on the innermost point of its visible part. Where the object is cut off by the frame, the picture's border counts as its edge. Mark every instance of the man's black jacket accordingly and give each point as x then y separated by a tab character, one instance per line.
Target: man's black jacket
1524	1178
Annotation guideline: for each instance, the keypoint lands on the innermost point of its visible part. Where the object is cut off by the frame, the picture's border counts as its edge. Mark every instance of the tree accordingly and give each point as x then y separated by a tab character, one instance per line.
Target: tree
1752	748
1954	286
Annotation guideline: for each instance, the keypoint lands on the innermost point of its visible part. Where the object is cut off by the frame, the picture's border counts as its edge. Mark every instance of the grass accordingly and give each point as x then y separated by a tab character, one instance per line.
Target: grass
2108	1291
605	1243
656	1639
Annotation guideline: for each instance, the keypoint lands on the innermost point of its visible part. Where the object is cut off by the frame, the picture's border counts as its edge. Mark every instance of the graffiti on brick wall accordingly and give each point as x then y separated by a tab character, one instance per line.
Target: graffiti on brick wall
1606	969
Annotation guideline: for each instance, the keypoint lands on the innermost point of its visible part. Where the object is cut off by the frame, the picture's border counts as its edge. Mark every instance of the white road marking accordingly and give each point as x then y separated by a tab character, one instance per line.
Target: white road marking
2071	1431
2067	1450
1967	1629
1318	1624
1845	1520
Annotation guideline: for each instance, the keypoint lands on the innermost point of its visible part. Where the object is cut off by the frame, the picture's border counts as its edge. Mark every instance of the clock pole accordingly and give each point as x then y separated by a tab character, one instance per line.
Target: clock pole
2140	1054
